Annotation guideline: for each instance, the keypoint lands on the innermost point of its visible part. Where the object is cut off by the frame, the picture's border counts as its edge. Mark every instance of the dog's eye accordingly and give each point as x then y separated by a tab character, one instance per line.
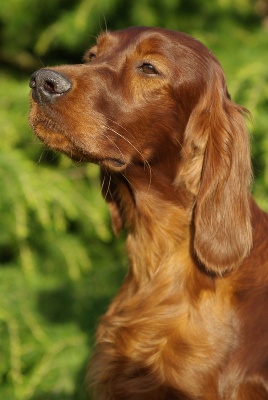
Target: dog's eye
91	56
148	69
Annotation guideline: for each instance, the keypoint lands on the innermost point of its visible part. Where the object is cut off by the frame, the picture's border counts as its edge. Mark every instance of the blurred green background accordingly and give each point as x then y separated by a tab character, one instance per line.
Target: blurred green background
59	262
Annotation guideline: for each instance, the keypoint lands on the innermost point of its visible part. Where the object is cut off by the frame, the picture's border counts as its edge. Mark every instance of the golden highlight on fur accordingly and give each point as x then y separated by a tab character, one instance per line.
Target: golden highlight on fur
151	107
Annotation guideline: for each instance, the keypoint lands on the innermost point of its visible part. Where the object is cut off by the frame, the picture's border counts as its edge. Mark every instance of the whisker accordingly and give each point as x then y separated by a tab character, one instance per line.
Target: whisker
115	145
181	146
150	175
131	144
102	186
122	127
105	23
40	157
108	188
146	163
130	184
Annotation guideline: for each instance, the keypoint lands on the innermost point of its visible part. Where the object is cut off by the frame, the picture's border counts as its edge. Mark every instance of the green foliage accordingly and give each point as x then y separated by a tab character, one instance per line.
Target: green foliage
53	226
59	263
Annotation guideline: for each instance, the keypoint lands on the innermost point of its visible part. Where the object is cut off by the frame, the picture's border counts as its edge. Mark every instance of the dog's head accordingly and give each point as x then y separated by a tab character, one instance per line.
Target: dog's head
154	103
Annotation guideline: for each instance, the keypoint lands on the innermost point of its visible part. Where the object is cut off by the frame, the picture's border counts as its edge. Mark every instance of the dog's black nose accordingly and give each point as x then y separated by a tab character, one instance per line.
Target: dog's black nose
47	85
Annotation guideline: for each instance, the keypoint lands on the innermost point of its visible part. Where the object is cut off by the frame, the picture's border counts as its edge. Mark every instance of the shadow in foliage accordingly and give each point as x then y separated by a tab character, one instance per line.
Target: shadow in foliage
85	300
57	304
82	302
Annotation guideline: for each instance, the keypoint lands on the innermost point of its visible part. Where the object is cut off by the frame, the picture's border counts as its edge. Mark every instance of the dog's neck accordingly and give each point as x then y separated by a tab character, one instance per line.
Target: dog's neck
158	224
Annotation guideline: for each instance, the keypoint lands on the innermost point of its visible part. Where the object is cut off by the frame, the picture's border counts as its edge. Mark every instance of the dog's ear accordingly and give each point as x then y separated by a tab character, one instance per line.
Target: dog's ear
218	173
108	188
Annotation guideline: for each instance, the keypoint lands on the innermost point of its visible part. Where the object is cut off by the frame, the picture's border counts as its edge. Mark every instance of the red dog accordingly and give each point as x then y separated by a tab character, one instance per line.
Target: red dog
151	107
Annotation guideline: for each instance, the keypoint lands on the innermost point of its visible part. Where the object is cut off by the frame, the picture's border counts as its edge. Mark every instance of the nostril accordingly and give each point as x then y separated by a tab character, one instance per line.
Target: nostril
47	85
32	83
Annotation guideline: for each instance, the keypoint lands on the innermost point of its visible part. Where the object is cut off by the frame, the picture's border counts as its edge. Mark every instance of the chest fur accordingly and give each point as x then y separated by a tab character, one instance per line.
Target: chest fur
159	336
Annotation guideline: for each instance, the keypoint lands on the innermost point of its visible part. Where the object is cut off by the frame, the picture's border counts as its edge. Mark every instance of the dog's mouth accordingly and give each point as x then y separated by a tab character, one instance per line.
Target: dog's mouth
113	163
58	139
59	142
108	163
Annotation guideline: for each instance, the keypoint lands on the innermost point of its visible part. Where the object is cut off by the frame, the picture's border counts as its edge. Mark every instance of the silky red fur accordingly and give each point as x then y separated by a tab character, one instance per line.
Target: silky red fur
190	321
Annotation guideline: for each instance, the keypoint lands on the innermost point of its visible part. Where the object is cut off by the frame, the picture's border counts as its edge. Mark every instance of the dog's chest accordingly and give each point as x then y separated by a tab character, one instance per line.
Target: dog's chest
166	341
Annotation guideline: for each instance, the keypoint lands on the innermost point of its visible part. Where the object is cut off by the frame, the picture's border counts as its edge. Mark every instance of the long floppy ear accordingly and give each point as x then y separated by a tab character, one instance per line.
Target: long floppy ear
220	176
108	188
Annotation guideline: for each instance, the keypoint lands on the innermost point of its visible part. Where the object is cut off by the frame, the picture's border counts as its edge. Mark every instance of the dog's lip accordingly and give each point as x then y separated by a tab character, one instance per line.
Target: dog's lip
114	163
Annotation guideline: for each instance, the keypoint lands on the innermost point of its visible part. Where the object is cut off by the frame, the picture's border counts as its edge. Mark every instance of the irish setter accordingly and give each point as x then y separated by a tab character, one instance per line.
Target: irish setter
151	107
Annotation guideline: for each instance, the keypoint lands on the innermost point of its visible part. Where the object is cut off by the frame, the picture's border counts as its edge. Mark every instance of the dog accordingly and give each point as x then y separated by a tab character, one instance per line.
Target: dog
151	107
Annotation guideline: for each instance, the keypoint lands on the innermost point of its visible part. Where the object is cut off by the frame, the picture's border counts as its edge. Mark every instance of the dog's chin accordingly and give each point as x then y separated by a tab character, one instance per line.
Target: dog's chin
80	155
61	143
109	163
113	164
